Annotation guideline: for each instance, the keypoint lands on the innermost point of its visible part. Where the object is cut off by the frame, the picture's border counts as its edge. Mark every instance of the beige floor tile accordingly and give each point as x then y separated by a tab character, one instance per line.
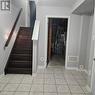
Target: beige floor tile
49	81
59	76
72	82
59	71
40	71
78	94
38	81
49	76
39	76
85	90
82	82
76	73
79	77
50	93
27	79
21	93
7	93
63	89
24	87
76	90
88	94
68	72
2	86
4	80
37	88
50	88
69	77
20	76
11	87
64	94
49	71
36	93
60	81
15	80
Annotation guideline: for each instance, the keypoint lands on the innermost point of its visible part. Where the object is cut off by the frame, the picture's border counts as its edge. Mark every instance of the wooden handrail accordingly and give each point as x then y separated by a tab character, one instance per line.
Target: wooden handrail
13	28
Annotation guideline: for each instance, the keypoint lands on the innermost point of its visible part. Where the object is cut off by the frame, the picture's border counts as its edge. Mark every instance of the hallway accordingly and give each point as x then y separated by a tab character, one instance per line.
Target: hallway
54	80
57	61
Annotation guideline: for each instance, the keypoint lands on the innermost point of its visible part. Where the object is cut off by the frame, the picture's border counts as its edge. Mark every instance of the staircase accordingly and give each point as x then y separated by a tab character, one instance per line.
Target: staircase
20	60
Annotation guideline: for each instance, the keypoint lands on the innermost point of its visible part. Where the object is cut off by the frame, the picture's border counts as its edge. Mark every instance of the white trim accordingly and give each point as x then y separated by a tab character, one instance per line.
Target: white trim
35	35
93	66
67	43
46	36
81	27
41	67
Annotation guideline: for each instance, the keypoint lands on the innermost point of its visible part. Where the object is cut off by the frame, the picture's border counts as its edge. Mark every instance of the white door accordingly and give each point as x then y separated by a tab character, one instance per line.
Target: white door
93	67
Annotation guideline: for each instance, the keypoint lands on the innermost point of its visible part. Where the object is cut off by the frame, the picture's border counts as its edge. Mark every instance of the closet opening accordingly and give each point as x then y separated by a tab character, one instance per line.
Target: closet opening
57	37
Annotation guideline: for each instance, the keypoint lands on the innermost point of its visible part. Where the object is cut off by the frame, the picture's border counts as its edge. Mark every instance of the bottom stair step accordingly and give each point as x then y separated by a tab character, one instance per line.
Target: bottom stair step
18	71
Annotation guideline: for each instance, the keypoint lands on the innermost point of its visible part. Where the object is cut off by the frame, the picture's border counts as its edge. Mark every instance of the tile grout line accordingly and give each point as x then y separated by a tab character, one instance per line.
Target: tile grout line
55	84
79	85
43	83
18	86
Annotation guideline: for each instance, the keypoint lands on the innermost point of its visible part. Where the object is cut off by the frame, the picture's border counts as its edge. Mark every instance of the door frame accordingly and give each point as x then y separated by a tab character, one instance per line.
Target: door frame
93	39
46	37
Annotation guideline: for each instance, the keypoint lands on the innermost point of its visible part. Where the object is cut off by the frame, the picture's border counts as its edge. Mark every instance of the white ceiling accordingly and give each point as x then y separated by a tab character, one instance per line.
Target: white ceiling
57	3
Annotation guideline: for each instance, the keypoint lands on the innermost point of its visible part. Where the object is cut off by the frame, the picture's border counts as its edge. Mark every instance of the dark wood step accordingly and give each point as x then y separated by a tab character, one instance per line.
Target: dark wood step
20	64
24	37
19	71
25	32
22	57
21	51
22	46
24	40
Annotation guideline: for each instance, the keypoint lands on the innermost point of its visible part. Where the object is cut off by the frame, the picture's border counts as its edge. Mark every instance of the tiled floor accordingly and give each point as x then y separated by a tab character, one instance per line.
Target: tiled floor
51	81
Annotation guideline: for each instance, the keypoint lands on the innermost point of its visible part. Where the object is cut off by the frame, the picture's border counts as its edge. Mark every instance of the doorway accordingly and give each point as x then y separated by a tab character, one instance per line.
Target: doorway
57	38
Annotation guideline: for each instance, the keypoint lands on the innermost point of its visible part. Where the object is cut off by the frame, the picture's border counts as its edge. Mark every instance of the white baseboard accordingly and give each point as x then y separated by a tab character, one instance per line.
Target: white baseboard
41	67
